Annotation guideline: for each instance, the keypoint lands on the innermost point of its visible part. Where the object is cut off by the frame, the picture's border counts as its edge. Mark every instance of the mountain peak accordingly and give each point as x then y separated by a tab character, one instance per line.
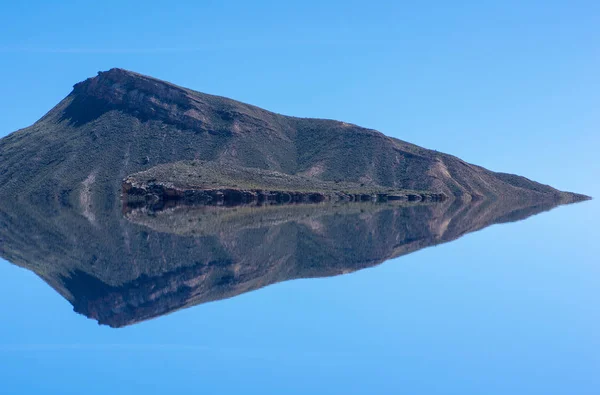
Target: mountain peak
148	98
120	79
136	94
118	74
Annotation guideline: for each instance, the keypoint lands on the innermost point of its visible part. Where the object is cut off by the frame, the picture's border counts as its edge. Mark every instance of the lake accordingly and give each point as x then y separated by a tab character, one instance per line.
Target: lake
352	299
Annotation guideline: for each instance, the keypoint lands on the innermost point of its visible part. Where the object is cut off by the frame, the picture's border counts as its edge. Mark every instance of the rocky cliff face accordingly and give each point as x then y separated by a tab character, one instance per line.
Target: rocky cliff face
208	183
147	98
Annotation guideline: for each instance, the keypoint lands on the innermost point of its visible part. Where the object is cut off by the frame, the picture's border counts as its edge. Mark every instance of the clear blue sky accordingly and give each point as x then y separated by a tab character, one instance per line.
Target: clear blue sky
511	86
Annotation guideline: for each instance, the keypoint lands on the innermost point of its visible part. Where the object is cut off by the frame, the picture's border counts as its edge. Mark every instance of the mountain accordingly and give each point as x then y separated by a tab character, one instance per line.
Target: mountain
64	211
120	122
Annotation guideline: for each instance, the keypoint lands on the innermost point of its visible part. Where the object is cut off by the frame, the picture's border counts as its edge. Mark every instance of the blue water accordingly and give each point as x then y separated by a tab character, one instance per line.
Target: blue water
512	309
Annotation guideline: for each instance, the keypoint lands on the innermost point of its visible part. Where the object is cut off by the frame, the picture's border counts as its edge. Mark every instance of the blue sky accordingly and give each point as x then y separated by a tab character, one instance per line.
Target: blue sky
507	85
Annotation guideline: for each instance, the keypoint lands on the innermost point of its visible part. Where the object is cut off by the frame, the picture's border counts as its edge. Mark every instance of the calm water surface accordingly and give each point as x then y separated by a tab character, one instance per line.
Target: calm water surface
510	309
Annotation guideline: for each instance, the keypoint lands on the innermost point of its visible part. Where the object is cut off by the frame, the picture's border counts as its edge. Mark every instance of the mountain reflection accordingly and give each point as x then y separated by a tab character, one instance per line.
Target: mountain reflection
123	268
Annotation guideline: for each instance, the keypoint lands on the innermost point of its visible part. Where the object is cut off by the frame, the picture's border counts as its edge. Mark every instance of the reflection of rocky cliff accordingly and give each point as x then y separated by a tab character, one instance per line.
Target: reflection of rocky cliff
150	264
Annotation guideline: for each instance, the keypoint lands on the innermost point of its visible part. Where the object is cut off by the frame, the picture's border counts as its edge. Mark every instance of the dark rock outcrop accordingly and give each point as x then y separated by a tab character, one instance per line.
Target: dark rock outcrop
157	196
